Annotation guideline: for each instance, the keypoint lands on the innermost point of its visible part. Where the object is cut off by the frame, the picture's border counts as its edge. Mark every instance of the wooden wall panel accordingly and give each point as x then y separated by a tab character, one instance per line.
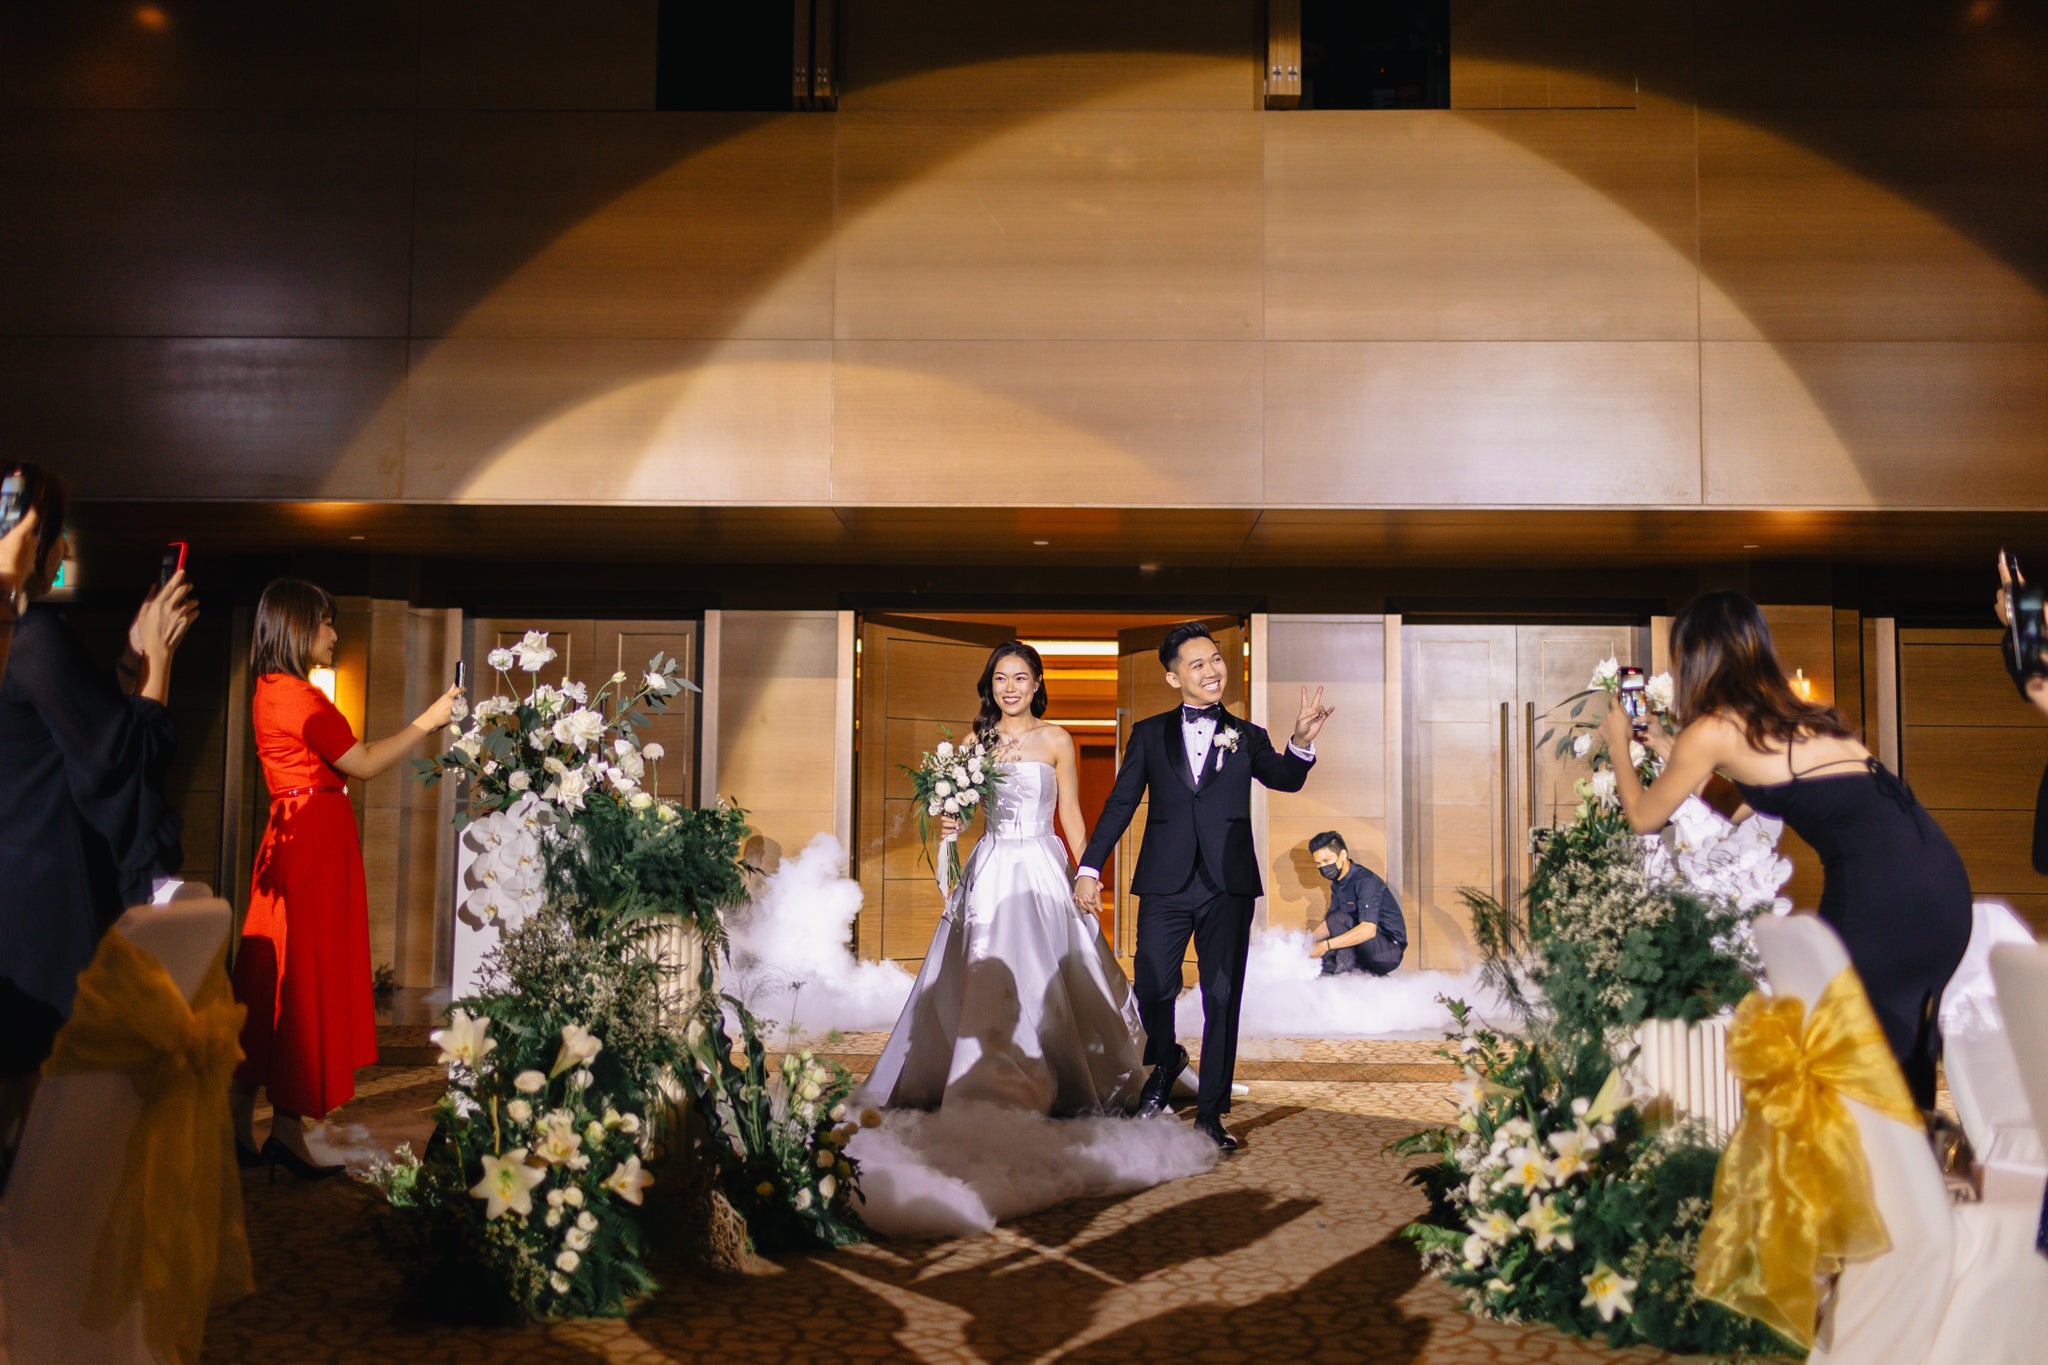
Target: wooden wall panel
624	225
1481	422
1974	752
1400	225
1875	424
1870	54
167	418
278	224
107	54
1065	225
537	54
1546	54
1050	54
1822	226
777	686
1120	423
656	421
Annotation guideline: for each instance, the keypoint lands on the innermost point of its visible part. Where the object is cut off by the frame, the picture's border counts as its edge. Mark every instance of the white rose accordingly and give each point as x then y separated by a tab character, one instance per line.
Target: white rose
580	729
568	1260
500	659
944	751
802	1200
942	788
558	1282
959	774
1582	746
640	801
828	1187
519	1111
653	753
586	1220
629	1123
469	745
932	809
533	651
668	814
575	690
554	1199
1636	754
573	1197
950	805
969	797
538	738
554	1220
520	780
1660	692
576	1239
656	682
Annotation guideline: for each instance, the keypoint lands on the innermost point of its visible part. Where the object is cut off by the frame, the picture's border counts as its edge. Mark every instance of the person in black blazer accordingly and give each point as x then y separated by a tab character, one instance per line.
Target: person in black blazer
1198	873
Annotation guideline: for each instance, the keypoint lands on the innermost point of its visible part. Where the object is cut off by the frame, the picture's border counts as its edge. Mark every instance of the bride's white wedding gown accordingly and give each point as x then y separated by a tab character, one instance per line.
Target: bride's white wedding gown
1020	1002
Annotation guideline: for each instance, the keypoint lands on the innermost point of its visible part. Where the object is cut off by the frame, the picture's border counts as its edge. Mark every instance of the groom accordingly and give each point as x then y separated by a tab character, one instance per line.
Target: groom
1197	874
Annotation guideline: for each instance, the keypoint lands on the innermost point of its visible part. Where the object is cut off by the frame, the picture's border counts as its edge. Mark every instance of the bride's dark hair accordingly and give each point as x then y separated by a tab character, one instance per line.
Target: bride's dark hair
990	712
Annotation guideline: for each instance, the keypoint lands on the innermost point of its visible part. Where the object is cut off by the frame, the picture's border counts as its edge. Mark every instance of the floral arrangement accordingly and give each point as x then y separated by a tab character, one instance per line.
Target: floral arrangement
1551	1200
778	1140
520	1206
1581	738
956	780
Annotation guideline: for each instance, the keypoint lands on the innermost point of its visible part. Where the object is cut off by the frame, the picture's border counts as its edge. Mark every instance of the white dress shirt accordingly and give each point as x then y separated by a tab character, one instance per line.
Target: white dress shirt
1198	737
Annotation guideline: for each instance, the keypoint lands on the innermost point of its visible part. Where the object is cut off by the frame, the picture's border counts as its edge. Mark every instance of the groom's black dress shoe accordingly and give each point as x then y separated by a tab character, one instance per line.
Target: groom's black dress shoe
1159	1085
1211	1127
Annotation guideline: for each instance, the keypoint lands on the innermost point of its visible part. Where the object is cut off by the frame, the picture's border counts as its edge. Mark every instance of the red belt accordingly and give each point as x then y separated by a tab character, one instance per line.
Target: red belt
308	791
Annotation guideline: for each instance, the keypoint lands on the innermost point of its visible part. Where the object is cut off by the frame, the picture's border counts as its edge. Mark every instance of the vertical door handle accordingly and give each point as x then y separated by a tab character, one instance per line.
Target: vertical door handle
1507	809
1529	714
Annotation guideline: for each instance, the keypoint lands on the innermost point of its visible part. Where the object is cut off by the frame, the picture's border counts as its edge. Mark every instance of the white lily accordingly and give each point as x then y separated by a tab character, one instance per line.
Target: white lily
507	1186
1546	1224
579	1046
1528	1169
466	1041
627	1180
1607	1291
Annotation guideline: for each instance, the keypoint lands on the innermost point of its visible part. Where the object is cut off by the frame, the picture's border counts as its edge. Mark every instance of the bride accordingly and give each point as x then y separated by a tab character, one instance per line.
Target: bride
1020	1001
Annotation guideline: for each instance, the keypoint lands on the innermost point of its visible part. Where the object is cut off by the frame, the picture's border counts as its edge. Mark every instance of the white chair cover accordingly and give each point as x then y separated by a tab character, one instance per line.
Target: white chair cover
64	1178
1961	1285
1977	1056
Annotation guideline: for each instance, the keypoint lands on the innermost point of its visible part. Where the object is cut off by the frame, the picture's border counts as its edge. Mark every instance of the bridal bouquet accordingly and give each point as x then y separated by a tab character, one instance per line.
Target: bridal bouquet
956	780
1581	738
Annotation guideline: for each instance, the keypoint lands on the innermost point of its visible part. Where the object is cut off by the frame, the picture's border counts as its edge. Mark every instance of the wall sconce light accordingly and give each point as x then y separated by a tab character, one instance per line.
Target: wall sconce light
322	678
1802	686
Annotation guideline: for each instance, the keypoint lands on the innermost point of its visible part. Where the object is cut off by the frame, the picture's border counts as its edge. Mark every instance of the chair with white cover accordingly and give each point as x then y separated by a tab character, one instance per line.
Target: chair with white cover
1977	1058
1961	1284
67	1173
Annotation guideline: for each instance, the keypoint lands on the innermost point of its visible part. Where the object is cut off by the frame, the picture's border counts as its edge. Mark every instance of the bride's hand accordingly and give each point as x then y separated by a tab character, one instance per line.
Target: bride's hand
949	828
1088	894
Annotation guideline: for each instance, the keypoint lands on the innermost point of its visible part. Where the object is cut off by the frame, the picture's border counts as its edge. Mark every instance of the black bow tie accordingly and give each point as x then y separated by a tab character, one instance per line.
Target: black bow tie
1190	714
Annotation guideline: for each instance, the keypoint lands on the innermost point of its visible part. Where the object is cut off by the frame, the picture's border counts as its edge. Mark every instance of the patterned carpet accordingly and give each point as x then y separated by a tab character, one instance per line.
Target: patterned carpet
1286	1252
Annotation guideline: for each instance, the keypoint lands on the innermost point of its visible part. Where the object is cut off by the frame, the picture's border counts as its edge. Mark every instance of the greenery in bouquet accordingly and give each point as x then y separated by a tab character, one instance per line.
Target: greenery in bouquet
519	1208
1551	1200
953	780
777	1138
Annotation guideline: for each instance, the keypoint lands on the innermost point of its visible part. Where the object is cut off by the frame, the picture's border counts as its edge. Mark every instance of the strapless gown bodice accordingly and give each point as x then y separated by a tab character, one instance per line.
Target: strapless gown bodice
1020	1000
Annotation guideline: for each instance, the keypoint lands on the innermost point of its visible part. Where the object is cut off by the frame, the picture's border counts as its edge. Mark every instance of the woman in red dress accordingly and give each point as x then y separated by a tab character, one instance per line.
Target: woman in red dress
303	967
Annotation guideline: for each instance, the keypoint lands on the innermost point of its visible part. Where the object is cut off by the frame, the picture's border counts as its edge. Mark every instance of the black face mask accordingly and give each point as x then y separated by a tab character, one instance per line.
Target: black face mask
1330	872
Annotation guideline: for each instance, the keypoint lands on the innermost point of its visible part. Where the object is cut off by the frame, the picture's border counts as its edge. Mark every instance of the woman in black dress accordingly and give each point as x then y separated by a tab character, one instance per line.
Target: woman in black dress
83	821
1894	887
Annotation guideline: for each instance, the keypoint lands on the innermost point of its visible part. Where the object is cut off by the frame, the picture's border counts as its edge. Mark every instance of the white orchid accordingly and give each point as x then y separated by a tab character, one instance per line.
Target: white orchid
533	651
466	1041
627	1180
1607	1291
579	1046
507	1186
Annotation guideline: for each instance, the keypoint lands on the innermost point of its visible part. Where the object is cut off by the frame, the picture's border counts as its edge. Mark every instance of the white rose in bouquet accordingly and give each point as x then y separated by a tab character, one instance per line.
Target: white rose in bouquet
520	780
492	707
569	789
942	788
1636	753
969	797
960	774
933	810
1661	693
500	659
1583	745
533	652
951	805
944	751
580	729
657	684
575	691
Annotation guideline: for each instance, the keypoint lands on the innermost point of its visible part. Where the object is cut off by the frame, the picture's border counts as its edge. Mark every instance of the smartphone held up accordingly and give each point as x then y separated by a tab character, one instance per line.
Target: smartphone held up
2026	631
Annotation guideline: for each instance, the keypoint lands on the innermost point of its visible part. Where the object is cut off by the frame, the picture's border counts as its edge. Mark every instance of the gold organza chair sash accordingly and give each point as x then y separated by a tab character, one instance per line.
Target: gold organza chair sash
174	1236
1792	1196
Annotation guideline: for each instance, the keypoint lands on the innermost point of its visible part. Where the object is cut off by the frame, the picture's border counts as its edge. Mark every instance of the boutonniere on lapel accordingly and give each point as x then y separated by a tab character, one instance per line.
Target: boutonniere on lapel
1226	743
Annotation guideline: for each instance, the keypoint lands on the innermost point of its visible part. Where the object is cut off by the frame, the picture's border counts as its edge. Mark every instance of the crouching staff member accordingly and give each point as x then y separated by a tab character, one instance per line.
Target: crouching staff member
1364	931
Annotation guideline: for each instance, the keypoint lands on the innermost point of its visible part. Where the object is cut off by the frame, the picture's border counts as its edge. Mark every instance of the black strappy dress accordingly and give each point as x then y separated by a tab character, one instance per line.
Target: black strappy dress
1894	889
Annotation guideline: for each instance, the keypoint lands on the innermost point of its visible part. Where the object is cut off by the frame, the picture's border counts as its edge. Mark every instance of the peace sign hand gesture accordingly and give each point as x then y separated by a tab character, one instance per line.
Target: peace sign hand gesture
1309	723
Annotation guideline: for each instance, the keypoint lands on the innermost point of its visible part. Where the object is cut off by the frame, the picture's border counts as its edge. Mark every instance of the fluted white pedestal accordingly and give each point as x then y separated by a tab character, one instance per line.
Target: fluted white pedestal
1681	1071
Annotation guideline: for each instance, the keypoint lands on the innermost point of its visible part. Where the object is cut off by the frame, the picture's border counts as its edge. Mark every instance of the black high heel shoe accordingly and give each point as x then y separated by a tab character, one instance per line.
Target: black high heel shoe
277	1154
249	1158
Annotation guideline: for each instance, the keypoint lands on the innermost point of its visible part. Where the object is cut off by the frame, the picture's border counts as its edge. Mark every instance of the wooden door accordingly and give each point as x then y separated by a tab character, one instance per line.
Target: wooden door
913	676
1458	705
1553	662
589	652
1142	691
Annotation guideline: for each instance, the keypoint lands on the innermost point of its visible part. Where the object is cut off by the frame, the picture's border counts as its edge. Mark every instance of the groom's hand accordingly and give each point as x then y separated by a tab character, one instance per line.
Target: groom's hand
1088	894
1309	723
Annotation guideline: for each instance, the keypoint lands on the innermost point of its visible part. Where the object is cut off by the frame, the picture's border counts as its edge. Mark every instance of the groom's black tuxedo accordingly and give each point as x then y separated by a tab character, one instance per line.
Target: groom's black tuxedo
1212	819
1197	876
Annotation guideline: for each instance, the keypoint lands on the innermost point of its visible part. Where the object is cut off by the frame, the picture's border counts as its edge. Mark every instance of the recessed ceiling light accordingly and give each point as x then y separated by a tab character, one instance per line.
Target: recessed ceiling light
355	537
1041	542
1752	547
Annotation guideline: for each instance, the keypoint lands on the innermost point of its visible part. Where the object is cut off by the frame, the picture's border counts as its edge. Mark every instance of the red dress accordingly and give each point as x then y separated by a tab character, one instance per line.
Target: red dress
304	964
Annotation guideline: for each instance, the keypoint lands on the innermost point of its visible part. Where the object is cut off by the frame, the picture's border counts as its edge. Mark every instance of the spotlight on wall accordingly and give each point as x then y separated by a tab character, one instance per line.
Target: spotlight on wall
322	678
1802	686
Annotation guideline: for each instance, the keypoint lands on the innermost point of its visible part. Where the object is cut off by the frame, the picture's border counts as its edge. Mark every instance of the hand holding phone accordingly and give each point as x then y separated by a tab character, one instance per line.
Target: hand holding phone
173	563
1633	698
